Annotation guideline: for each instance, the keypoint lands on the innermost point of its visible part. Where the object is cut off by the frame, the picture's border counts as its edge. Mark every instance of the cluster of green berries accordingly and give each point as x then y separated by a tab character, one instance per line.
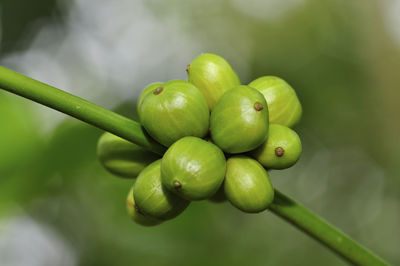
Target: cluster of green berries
222	137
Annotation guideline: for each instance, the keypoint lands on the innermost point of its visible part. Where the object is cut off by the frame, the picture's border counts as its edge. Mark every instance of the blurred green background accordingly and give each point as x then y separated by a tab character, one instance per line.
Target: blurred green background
59	207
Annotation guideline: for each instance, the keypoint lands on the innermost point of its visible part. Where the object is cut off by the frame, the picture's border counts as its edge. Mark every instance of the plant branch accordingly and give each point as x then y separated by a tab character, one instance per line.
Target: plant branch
105	119
77	107
322	231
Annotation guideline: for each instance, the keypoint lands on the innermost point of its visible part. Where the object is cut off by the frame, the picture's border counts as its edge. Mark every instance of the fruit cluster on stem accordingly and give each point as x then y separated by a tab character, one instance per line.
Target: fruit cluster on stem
241	136
123	127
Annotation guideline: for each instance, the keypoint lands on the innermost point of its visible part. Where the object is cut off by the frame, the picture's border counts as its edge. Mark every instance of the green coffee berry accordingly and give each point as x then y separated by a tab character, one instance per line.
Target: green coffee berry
247	185
283	105
213	76
193	168
239	120
153	199
121	157
136	216
150	88
281	150
174	110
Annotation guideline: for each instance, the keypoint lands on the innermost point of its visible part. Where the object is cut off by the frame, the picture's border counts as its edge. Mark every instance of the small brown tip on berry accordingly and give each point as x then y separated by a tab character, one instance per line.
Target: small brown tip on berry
177	185
258	106
158	90
279	151
187	68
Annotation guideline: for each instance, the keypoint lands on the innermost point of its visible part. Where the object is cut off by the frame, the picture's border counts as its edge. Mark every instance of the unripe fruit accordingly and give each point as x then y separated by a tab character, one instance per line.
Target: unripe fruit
213	76
174	110
135	215
281	150
150	88
247	185
283	105
121	157
193	168
153	199
239	120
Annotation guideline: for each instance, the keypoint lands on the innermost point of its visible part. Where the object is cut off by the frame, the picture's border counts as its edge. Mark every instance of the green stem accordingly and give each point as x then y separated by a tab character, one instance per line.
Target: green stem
322	231
100	117
77	107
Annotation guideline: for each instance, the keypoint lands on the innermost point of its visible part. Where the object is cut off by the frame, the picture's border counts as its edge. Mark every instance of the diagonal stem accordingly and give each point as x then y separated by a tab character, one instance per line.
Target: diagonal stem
283	206
322	231
77	107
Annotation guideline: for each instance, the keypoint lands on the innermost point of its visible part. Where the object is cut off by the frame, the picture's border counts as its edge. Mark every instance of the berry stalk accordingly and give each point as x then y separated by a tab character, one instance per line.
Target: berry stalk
283	206
77	107
319	229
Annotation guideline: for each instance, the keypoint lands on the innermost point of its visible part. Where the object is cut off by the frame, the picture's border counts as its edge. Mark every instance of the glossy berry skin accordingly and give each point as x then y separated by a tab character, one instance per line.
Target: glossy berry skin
174	110
213	76
281	150
193	168
247	185
153	199
135	215
121	157
283	104
239	121
150	88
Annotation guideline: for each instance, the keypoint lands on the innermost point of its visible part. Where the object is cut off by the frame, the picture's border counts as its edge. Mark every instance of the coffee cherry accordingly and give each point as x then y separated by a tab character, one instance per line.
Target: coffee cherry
121	157
239	121
174	110
213	76
283	105
150	88
153	199
281	150
247	185
135	215
193	168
